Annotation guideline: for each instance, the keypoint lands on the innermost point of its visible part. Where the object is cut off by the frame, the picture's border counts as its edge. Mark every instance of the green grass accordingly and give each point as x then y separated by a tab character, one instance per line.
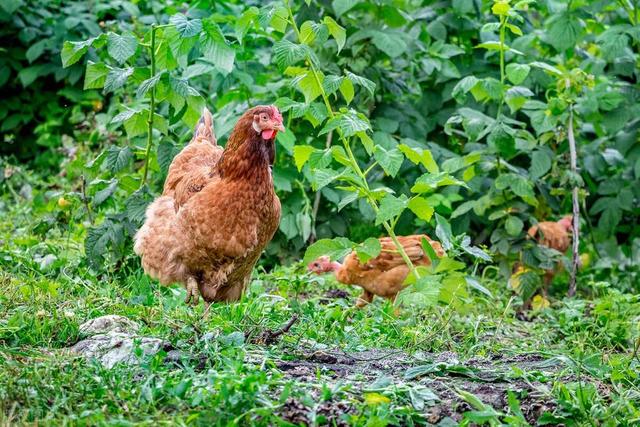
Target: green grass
226	378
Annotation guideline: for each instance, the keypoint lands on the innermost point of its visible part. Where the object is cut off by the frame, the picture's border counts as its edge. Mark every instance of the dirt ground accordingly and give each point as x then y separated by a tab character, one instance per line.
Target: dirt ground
436	376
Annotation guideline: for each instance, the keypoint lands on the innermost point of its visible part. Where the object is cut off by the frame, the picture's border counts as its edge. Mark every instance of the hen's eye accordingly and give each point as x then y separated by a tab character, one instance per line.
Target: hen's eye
263	117
315	264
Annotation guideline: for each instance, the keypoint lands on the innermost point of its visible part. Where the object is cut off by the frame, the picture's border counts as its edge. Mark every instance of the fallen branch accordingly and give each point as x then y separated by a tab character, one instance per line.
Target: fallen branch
270	337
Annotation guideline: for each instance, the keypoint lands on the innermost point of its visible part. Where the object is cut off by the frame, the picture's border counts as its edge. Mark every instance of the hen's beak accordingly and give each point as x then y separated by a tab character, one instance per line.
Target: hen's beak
278	126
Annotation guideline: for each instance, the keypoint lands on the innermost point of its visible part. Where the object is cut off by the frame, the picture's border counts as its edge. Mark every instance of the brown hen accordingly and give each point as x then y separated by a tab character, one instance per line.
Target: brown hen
383	275
217	212
555	235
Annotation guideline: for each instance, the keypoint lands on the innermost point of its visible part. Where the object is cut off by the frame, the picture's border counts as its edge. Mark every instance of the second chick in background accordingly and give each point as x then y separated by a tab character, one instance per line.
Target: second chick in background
383	275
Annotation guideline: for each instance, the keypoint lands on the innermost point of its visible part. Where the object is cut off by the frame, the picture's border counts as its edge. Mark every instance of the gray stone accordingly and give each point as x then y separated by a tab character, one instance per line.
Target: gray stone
109	323
113	339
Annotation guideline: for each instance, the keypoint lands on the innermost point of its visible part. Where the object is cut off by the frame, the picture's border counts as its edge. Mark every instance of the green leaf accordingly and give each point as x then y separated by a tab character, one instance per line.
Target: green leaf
333	248
186	27
517	73
421	208
342	6
346	89
443	231
365	83
29	74
215	48
368	249
546	67
447	264
336	31
540	164
73	51
513	225
301	154
391	43
287	53
391	207
350	122
502	141
148	84
36	50
564	31
420	155
116	78
102	195
95	76
279	21
117	158
165	154
307	33
516	97
121	47
463	87
322	177
309	87
390	160
429	182
244	22
332	83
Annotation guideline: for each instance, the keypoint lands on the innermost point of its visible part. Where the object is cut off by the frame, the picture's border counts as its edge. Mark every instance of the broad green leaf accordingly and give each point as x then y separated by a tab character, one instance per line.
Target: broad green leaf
443	231
516	97
540	164
367	84
117	158
244	22
121	47
421	208
332	83
322	177
429	182
334	248
307	33
102	195
391	207
391	43
463	87
216	49
301	154
448	264
309	86
389	160
95	75
513	225
349	122
517	73
116	78
368	249
36	50
564	31
342	6
346	89
420	156
148	84
279	21
73	51
502	141
336	31
186	27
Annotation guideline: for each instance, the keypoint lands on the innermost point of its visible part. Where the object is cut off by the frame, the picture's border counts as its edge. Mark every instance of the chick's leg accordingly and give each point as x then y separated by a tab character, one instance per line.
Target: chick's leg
193	295
364	299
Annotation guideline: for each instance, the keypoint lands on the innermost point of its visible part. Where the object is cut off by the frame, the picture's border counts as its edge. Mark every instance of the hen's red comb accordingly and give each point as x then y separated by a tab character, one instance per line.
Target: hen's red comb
276	113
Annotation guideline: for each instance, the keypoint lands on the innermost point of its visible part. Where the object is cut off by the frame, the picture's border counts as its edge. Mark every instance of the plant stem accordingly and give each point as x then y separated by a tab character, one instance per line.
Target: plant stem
576	206
503	26
152	107
316	200
353	161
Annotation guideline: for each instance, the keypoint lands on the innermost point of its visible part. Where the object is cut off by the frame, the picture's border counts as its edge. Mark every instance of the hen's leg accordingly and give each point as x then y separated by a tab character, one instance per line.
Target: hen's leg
193	294
364	299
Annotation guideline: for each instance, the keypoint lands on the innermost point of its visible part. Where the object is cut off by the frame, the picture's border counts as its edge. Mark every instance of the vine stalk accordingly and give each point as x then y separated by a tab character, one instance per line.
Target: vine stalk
576	206
152	107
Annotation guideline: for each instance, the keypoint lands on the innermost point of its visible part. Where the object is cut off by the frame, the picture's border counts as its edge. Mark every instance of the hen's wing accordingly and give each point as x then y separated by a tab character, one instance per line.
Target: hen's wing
390	257
195	165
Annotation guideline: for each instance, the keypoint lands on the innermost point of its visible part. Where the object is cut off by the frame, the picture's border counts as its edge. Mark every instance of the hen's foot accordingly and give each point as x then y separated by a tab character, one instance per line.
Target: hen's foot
193	294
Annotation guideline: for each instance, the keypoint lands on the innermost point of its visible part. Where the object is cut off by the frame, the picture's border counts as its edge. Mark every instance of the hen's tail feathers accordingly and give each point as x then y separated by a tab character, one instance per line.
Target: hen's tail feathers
157	242
204	128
